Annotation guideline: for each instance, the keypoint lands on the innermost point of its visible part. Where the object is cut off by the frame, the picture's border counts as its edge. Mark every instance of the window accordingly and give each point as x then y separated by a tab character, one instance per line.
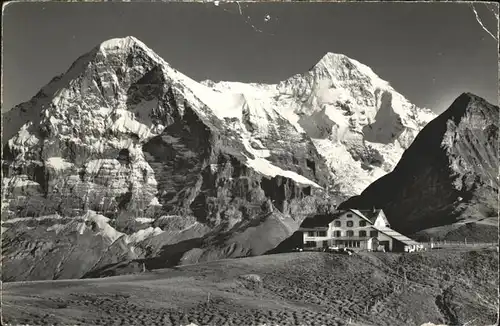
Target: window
362	233
349	215
362	223
311	233
321	233
350	224
310	244
353	244
338	234
337	223
373	234
350	233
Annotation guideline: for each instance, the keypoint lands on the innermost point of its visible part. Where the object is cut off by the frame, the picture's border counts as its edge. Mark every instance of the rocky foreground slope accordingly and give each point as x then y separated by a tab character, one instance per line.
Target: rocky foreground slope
449	174
123	158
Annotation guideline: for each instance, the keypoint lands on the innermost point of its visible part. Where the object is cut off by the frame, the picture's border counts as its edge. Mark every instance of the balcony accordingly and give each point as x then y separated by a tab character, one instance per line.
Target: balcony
317	238
351	238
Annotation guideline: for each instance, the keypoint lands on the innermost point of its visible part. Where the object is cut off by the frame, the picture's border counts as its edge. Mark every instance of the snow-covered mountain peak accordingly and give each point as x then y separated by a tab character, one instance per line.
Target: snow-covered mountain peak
339	68
333	61
124	134
122	42
358	122
126	45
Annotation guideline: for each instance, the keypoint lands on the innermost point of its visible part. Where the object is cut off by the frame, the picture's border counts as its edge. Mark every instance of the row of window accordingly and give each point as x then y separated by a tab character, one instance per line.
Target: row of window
338	234
310	244
352	233
349	223
350	244
316	234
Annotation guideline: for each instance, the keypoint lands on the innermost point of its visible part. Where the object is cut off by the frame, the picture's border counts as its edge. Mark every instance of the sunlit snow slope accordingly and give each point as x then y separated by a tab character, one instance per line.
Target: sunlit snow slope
356	120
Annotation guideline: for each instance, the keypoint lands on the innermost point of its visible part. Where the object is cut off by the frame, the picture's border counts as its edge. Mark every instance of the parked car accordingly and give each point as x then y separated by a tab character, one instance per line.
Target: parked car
298	249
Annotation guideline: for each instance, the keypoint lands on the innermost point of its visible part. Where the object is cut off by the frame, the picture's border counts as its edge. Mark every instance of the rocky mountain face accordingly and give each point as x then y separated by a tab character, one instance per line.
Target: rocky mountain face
449	174
123	160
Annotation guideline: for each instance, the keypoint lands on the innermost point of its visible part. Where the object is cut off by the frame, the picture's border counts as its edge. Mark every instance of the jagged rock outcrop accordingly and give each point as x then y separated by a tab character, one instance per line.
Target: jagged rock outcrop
448	174
123	160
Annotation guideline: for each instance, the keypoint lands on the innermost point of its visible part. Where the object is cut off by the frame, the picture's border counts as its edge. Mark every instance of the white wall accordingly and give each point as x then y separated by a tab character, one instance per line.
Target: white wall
343	228
381	220
316	238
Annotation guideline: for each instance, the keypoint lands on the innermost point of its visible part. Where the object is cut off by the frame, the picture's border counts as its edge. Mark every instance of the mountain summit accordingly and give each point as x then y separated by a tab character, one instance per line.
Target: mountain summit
125	158
356	120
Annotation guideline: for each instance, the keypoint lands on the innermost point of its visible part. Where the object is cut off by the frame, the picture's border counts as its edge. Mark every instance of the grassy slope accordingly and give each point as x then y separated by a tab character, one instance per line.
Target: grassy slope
450	287
485	230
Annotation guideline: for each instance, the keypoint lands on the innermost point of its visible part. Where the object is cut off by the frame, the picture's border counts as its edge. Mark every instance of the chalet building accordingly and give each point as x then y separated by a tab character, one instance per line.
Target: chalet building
355	229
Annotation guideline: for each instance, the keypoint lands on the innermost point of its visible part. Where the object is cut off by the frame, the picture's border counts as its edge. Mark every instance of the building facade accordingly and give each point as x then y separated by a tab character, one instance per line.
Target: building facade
354	229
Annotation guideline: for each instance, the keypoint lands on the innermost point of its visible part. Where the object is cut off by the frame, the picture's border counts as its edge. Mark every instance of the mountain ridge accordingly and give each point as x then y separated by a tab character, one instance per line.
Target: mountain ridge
127	158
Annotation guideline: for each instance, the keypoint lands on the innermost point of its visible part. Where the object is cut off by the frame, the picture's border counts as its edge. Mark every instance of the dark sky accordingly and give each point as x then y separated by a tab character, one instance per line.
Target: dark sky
429	52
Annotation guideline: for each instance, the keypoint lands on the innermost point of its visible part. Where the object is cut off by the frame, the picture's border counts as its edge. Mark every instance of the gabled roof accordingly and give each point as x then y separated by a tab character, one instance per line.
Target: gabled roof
363	216
396	235
322	221
370	214
319	221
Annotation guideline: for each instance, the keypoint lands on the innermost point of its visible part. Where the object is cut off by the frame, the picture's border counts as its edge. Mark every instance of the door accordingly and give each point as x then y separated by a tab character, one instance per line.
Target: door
325	244
385	244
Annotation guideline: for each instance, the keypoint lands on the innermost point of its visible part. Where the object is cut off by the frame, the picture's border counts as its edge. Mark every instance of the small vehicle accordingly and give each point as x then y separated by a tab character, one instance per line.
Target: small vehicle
343	251
333	249
298	249
349	252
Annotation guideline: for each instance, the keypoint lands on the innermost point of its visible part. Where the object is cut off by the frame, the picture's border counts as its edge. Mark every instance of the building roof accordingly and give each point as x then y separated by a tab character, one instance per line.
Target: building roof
322	221
370	214
396	235
319	221
360	214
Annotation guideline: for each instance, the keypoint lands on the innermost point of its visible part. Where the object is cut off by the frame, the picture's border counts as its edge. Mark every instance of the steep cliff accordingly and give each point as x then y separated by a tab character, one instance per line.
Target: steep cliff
123	160
123	155
448	174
